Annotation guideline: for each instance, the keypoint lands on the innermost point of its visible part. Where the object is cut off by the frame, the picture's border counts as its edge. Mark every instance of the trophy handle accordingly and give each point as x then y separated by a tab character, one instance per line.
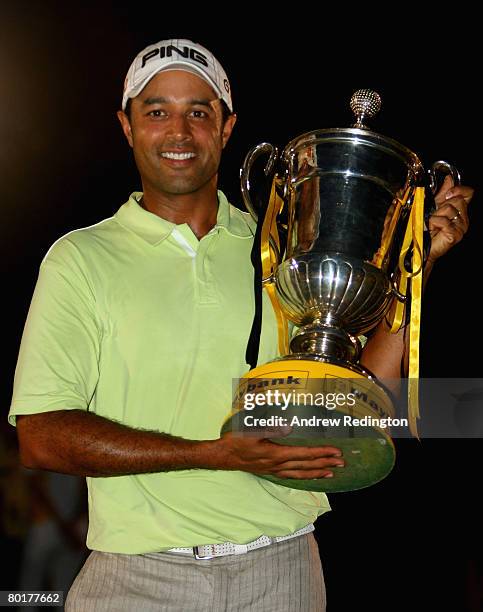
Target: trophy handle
252	155
441	168
395	290
445	168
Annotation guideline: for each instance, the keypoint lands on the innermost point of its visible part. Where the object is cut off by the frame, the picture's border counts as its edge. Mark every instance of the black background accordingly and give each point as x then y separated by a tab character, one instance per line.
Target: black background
414	539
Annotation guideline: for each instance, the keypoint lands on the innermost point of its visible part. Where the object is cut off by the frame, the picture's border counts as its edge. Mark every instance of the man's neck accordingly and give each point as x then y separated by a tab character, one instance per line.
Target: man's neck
198	210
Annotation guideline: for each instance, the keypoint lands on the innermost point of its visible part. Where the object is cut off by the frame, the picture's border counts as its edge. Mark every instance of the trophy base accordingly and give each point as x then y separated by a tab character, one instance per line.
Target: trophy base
325	404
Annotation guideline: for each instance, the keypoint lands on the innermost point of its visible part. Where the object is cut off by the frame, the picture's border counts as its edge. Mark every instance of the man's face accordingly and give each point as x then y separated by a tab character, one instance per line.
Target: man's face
176	132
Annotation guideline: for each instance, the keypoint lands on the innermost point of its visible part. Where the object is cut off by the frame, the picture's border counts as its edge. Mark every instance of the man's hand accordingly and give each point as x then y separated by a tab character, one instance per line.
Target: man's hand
449	223
82	443
259	455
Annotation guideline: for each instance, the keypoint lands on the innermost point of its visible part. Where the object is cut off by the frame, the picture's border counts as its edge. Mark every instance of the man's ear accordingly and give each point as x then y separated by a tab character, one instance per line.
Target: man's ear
126	126
228	128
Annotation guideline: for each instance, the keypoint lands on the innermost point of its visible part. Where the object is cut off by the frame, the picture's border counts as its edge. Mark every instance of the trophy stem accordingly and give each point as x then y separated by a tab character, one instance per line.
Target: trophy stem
326	341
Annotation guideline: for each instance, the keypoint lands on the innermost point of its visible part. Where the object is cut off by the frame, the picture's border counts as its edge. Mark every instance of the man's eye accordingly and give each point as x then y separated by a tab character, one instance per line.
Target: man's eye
156	113
199	114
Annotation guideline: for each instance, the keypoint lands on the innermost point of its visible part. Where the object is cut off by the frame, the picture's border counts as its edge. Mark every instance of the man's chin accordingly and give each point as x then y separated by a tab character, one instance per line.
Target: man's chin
179	188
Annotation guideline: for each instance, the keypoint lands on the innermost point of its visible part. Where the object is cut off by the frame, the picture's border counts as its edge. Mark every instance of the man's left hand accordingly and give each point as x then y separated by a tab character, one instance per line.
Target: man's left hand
449	223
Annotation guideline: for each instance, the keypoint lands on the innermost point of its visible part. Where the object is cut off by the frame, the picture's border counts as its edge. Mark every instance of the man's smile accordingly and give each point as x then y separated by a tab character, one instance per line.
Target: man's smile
178	156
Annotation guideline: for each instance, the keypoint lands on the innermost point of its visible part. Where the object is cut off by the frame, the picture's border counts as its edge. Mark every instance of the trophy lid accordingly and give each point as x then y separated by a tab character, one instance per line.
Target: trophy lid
365	104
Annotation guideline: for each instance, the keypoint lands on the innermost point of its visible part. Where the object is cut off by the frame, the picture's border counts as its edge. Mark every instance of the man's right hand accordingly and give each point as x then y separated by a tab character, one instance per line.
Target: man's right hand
82	443
259	455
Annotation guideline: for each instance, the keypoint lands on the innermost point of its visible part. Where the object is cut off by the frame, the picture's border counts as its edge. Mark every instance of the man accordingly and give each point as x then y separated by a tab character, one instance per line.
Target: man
136	329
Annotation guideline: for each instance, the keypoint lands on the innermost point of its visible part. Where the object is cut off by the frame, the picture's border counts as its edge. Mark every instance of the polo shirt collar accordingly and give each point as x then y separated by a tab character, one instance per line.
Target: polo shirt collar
154	229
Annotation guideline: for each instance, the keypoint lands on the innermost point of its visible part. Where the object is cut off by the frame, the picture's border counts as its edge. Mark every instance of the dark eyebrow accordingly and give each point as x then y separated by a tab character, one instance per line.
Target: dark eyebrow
193	102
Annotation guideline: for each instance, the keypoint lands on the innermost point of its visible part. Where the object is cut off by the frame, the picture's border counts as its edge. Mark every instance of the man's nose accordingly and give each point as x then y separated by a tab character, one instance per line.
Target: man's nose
179	128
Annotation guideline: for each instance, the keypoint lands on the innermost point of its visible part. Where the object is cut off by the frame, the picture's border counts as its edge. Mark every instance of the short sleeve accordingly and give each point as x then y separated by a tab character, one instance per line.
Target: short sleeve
57	366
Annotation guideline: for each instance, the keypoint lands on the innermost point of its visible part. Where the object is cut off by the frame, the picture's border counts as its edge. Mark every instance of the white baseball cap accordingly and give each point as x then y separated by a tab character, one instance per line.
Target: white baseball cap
176	54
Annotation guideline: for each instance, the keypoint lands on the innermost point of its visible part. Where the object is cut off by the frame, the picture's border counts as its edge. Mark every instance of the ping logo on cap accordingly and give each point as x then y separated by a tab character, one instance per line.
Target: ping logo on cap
167	51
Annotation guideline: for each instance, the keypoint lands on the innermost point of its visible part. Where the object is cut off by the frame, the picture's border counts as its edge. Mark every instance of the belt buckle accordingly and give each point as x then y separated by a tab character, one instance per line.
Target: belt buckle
196	550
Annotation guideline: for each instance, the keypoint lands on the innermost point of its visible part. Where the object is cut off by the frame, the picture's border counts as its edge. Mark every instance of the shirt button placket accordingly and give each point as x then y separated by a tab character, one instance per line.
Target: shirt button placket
204	277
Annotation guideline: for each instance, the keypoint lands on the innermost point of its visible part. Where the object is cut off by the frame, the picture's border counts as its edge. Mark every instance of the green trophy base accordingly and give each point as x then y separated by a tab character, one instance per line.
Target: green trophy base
367	461
358	427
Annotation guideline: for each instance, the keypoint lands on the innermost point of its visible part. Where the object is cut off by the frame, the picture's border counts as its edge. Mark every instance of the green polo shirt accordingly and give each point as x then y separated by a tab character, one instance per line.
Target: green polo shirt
136	320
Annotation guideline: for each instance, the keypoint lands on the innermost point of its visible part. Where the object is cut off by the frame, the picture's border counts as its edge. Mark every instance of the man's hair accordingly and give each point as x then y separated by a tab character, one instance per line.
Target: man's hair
224	109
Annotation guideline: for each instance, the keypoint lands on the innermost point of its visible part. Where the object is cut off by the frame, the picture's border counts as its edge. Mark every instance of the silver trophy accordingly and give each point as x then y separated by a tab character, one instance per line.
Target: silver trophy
346	196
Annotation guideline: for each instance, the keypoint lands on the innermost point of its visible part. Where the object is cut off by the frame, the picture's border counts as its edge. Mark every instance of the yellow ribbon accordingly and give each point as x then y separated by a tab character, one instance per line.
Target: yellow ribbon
389	232
417	215
402	284
413	237
270	249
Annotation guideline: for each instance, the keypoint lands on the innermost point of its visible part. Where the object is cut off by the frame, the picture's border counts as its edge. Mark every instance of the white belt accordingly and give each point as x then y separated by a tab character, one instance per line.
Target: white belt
208	551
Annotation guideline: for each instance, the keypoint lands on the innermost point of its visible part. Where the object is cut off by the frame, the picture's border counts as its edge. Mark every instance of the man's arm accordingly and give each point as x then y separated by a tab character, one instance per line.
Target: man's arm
384	351
85	444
